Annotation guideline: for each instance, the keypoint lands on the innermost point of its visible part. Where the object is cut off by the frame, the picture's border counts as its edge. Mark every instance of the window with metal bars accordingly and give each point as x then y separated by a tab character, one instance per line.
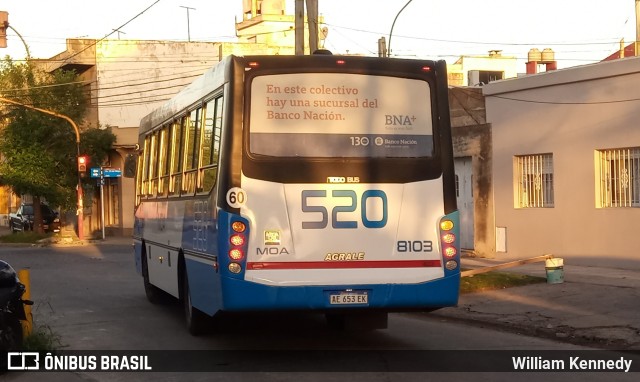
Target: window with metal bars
534	178
619	177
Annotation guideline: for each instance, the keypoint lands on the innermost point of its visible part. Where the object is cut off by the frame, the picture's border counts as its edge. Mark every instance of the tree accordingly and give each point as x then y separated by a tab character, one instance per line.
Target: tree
38	150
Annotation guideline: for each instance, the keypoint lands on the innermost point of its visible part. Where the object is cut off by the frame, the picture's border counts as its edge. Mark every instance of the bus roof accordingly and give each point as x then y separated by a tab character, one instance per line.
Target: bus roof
209	81
216	76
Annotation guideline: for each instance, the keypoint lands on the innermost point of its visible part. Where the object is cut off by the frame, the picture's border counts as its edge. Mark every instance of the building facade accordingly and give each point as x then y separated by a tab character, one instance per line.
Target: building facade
480	70
127	79
566	162
472	148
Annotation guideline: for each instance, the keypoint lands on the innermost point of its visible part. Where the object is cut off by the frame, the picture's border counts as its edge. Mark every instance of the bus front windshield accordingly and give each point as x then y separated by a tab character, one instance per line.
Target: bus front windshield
327	115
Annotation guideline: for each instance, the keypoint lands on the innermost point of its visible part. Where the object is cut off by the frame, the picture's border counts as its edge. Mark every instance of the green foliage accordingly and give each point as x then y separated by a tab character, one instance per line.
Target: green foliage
42	339
24	237
39	150
97	143
496	280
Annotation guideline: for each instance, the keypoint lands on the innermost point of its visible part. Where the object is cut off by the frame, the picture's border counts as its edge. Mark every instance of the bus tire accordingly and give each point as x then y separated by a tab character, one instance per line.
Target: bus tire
154	294
196	320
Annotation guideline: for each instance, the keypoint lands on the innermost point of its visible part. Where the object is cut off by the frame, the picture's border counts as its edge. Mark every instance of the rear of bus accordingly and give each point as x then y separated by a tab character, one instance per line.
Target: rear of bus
346	195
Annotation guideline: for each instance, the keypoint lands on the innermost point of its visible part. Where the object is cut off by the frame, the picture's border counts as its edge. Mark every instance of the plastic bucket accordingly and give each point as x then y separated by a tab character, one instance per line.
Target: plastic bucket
555	270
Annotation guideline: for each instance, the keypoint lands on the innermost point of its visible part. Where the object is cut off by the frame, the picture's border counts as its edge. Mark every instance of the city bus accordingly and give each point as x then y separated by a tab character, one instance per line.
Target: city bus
318	183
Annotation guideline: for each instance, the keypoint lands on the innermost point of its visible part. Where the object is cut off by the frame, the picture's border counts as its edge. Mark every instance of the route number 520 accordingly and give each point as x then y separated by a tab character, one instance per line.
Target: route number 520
314	201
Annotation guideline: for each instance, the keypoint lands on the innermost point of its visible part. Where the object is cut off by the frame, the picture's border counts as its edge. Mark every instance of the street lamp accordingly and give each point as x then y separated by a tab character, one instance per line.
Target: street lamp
394	24
80	206
188	26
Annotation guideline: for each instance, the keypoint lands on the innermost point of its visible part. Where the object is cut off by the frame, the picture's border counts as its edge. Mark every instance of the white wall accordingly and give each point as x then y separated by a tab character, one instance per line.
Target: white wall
587	121
142	74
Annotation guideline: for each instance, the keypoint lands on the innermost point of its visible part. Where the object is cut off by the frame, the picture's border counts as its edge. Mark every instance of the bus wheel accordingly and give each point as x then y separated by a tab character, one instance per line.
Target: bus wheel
195	319
154	294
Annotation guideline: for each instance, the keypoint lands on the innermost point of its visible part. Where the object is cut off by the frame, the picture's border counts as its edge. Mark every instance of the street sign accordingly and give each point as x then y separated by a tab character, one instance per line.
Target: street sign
106	172
111	172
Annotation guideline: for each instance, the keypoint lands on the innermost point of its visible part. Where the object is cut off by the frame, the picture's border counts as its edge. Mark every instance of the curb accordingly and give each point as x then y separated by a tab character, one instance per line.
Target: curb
558	334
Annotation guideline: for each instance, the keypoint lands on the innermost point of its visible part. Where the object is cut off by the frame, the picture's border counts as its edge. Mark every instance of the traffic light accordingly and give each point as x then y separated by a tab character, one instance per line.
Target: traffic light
83	160
4	24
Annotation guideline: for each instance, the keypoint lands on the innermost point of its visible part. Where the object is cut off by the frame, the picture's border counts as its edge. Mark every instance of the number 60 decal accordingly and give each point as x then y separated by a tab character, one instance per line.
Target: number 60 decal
349	206
236	197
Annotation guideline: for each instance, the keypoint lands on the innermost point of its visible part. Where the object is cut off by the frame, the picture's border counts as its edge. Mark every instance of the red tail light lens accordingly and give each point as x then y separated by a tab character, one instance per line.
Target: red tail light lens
236	254
450	251
237	240
448	238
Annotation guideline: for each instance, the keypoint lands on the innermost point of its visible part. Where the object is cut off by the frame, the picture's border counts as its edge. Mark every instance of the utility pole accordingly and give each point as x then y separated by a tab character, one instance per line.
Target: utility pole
382	47
299	27
188	25
118	31
312	20
637	44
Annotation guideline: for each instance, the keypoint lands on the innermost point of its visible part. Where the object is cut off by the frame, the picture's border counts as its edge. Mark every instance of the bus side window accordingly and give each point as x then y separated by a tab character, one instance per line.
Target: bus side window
176	156
153	165
210	145
139	168
144	191
163	161
191	149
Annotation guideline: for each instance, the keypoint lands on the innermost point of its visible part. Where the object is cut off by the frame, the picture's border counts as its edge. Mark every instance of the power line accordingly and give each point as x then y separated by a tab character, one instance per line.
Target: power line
613	40
112	32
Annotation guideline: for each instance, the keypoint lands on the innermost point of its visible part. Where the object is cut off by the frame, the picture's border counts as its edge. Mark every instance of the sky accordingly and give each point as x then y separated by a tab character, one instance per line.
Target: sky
579	31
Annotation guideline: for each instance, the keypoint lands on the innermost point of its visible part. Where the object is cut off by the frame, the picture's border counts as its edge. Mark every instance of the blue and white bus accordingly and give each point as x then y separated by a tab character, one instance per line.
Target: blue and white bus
303	183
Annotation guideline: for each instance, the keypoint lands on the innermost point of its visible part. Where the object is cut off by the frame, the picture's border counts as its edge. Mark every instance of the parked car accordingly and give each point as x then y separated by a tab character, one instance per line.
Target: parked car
22	220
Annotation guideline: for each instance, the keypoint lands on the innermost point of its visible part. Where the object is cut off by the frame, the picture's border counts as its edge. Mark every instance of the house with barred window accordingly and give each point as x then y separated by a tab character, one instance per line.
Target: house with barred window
566	162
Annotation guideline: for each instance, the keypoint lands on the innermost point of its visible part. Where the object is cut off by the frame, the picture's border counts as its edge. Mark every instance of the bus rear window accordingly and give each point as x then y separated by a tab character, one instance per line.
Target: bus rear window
327	115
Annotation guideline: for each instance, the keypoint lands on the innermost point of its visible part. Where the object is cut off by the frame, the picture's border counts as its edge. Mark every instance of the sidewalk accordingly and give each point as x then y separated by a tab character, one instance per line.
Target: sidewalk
70	239
594	306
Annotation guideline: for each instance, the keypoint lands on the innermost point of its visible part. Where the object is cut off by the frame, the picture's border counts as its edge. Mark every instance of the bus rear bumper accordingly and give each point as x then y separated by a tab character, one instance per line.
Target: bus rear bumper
241	295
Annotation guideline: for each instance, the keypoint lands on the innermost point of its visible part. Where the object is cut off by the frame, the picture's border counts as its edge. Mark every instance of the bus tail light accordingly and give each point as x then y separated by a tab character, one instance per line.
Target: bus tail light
236	254
448	238
450	251
449	243
237	246
237	240
235	268
451	265
238	226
